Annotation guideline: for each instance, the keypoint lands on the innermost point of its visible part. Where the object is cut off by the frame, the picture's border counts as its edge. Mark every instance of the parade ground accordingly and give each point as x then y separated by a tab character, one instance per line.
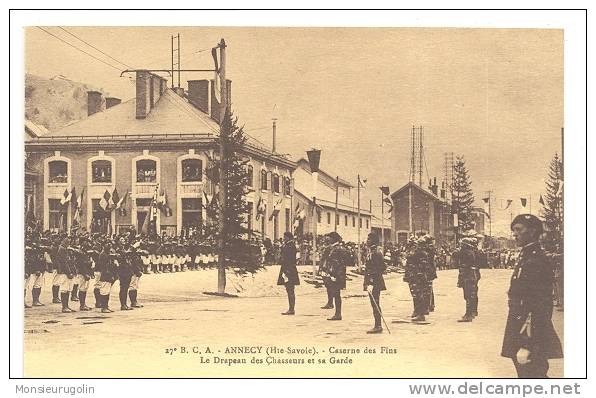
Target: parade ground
182	332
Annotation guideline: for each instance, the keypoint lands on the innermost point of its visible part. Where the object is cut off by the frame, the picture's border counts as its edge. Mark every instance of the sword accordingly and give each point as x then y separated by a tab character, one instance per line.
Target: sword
378	309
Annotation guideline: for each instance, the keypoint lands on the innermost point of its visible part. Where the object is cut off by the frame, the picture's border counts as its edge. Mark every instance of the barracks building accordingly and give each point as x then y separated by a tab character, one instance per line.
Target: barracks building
160	141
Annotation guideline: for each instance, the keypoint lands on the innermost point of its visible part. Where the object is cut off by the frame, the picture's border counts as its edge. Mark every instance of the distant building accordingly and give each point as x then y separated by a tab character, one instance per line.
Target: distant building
347	208
480	217
416	210
163	138
385	226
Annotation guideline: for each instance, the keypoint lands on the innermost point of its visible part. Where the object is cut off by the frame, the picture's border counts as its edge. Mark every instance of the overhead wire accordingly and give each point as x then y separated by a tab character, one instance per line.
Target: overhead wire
94	47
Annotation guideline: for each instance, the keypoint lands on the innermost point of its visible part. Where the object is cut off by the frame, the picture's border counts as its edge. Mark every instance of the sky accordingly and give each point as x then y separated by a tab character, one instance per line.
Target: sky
494	96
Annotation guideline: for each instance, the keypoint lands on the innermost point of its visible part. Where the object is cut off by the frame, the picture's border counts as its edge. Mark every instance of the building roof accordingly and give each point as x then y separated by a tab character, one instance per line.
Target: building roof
34	130
302	162
330	205
415	186
171	115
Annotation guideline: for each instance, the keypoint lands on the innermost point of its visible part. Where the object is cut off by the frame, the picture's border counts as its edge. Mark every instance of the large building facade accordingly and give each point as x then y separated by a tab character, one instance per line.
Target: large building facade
328	188
162	141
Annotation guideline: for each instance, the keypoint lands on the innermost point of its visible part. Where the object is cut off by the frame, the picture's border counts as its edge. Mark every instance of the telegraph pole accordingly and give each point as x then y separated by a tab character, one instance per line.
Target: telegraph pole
359	224
221	276
490	217
336	203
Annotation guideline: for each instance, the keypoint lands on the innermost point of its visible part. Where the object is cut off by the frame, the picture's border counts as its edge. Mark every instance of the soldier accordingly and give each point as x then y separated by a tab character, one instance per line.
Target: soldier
468	277
34	269
427	245
530	339
333	270
107	276
137	270
85	272
124	275
416	276
373	279
65	274
288	274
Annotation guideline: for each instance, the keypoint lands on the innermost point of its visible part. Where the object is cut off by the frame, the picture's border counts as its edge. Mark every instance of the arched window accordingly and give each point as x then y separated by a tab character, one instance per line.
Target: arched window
146	171
264	180
250	172
101	171
58	172
192	170
275	183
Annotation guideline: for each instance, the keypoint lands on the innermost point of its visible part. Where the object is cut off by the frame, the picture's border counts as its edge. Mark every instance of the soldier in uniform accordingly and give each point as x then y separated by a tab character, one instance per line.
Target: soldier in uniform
101	264
373	279
137	271
333	271
288	274
65	275
530	339
34	269
427	245
85	272
468	277
107	277
416	276
124	275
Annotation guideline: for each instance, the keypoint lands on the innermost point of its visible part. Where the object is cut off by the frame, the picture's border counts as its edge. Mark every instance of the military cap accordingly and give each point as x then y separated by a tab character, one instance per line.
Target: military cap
334	236
529	220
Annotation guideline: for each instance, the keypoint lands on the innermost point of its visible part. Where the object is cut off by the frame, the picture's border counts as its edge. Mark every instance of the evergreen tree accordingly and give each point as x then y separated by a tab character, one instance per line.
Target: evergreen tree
552	209
236	250
463	197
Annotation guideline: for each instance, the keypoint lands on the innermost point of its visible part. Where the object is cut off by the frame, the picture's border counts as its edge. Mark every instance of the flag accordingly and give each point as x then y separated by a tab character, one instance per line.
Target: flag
216	81
260	208
560	189
115	198
509	201
275	210
122	201
206	201
523	201
362	182
385	190
66	197
73	195
541	201
486	200
388	201
104	202
30	215
78	203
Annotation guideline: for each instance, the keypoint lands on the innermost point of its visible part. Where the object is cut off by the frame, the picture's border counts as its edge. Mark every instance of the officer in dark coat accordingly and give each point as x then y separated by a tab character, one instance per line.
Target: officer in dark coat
416	274
374	282
530	339
288	274
468	277
125	273
333	271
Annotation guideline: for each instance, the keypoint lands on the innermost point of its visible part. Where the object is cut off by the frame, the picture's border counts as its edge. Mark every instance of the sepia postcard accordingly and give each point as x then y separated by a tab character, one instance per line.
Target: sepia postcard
296	202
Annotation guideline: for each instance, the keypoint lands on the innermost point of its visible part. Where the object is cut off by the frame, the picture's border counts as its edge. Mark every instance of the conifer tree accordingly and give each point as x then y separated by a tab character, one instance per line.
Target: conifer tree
463	197
552	207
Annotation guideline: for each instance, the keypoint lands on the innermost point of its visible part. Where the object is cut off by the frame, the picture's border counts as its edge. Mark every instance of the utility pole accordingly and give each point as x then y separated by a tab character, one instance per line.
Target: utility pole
221	276
382	222
420	155
490	217
336	203
178	60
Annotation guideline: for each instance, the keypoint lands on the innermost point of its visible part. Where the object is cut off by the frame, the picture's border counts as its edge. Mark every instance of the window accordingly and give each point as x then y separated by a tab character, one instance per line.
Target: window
275	183
58	170
264	180
276	226
328	218
318	216
337	219
192	215
250	172
57	215
288	220
287	186
346	220
353	222
360	223
101	171
146	170
367	223
100	219
192	170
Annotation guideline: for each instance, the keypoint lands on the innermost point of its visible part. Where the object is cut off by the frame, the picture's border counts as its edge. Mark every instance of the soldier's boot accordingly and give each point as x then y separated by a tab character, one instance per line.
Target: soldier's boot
377	329
55	292
105	301
64	297
337	316
74	293
419	318
97	295
133	299
474	309
123	305
36	292
416	309
329	304
466	318
26	305
82	299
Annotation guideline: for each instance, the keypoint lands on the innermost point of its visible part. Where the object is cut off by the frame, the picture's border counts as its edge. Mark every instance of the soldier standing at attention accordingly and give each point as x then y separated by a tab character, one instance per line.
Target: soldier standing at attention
65	274
102	263
124	275
468	277
416	276
137	270
85	272
333	270
373	279
288	274
530	339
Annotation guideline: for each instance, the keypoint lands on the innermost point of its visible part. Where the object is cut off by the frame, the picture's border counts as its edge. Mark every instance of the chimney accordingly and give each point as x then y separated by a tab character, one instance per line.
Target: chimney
95	102
111	101
179	91
143	103
198	94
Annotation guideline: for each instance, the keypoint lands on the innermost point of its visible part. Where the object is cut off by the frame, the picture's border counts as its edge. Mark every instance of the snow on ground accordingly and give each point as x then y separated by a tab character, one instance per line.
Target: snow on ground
177	314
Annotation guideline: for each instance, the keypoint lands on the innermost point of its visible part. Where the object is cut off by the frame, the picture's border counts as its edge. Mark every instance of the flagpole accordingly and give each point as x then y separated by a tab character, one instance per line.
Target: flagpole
221	277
